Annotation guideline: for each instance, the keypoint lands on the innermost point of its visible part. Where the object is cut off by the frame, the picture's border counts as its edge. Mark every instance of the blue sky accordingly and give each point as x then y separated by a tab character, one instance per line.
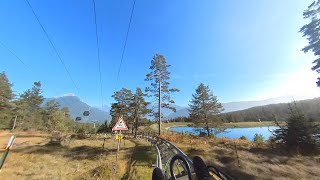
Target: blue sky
246	50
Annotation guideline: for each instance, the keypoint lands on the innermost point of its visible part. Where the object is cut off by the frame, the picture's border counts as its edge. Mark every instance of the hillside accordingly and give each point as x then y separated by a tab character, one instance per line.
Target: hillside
77	107
237	106
309	107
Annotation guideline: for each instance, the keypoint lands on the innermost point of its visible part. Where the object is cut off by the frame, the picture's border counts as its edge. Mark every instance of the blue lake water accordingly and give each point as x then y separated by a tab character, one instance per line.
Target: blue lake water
234	132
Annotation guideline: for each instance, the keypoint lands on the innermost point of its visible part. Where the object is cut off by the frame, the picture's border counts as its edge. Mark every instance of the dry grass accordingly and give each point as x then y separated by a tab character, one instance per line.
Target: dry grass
256	161
33	158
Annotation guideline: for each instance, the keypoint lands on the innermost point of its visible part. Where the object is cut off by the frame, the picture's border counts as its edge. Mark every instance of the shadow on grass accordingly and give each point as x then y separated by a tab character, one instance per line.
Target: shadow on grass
48	148
193	151
75	153
143	155
237	173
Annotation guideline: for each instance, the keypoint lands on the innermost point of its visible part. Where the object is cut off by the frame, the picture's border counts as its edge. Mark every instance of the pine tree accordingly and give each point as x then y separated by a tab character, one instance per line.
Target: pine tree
6	104
205	107
312	32
49	110
298	133
159	77
121	107
30	107
138	108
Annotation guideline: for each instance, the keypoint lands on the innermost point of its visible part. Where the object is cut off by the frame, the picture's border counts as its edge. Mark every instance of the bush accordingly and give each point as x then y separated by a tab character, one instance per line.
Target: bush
243	138
258	138
298	134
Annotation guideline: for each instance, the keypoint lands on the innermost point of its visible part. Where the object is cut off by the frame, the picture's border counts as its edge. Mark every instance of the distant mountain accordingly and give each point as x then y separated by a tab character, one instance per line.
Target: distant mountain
166	112
237	106
77	107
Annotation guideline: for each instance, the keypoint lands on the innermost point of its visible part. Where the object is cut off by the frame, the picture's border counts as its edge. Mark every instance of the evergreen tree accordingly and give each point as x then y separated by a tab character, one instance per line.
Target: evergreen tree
6	104
159	77
312	32
298	133
138	109
205	107
121	107
49	111
30	107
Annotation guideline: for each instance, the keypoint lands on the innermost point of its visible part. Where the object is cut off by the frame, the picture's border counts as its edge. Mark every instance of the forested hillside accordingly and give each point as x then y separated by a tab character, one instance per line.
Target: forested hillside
310	107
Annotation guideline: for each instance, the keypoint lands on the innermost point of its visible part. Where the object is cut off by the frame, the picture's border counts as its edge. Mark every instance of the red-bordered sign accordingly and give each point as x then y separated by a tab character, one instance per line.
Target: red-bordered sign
120	125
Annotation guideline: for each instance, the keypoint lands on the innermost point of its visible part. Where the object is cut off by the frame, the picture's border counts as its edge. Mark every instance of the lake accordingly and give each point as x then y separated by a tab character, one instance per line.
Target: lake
233	132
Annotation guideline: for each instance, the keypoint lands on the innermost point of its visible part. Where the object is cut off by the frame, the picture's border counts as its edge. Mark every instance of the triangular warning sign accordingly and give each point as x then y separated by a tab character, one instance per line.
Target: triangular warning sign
120	125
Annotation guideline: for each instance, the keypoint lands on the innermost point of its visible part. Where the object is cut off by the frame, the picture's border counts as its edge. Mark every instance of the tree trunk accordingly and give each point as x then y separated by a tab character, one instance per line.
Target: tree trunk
14	123
136	127
206	120
159	108
207	126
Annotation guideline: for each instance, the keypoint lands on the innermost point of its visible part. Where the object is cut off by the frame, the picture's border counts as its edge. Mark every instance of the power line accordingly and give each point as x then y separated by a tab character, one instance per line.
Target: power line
125	42
14	54
53	46
28	67
98	49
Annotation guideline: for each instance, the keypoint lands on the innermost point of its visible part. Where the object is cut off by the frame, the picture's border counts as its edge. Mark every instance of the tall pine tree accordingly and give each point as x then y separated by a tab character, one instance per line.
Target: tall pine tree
30	107
139	108
6	104
121	107
205	107
159	77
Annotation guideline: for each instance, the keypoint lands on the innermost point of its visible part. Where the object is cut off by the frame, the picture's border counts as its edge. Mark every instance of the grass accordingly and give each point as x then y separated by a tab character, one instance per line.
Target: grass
256	161
33	158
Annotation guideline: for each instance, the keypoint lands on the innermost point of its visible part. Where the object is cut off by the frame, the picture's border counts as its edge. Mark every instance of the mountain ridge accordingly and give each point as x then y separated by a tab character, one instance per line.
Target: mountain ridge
77	107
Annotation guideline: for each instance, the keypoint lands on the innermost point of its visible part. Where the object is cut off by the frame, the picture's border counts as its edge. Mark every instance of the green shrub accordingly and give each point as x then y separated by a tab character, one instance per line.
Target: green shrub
258	138
243	138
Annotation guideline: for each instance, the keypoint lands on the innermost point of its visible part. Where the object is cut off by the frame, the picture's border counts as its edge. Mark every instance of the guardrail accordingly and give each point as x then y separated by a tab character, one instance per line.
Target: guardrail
165	151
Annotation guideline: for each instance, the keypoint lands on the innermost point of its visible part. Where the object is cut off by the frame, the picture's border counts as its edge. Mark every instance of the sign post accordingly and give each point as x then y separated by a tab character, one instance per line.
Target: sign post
120	126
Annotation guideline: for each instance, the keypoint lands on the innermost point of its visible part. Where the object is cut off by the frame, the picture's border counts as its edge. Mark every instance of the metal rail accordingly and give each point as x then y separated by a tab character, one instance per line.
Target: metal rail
165	151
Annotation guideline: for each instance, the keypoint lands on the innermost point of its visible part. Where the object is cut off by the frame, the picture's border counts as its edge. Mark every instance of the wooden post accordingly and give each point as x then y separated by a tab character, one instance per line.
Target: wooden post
235	145
118	148
104	140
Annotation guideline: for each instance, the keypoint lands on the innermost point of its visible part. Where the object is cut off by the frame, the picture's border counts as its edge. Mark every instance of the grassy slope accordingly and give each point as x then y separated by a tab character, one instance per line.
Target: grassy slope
32	158
256	161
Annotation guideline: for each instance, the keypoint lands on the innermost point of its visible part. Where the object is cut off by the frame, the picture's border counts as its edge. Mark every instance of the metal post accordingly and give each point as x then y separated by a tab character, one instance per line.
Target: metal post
6	152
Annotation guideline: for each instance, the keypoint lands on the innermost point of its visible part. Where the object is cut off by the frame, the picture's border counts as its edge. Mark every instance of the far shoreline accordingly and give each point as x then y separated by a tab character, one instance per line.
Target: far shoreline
225	125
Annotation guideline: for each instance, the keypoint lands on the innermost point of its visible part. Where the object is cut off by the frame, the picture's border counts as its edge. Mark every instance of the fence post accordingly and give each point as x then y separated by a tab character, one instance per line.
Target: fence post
235	145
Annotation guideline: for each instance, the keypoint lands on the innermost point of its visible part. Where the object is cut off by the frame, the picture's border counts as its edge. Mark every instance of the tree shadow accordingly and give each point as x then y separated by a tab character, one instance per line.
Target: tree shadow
143	155
48	148
194	151
84	152
269	152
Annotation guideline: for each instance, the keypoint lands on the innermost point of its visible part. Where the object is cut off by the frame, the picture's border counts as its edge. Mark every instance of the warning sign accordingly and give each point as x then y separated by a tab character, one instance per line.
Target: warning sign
120	125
